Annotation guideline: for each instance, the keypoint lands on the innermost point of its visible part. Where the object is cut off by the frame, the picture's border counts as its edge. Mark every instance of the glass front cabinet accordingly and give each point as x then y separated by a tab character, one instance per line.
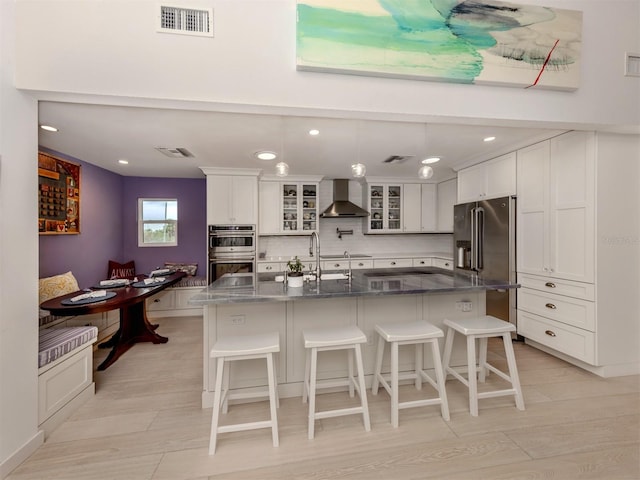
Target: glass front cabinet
385	207
299	207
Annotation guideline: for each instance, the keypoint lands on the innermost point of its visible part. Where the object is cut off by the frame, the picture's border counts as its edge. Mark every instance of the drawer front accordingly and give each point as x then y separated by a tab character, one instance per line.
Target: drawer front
569	340
165	300
271	267
344	264
586	291
95	320
572	311
360	263
422	262
393	263
442	263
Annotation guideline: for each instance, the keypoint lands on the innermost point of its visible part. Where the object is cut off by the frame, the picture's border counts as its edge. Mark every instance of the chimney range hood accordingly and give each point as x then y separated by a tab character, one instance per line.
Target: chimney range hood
341	206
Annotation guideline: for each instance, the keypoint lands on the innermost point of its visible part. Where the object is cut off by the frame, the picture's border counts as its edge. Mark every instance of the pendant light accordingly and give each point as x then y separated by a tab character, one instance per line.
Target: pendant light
282	169
358	170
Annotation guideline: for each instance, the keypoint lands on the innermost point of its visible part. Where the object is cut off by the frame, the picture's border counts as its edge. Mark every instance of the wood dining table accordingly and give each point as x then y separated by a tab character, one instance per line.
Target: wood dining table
130	300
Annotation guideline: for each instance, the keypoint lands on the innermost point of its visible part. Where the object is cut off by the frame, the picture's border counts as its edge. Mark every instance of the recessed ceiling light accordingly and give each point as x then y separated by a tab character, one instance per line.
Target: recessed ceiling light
314	132
429	160
48	128
489	139
265	155
122	161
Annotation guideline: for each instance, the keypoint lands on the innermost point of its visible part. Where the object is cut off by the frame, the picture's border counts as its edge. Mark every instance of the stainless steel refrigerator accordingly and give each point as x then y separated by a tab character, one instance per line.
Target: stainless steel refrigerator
484	245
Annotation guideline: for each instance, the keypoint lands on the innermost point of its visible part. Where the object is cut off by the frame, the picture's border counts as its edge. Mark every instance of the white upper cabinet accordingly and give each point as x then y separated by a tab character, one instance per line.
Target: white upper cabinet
385	208
429	202
232	199
491	179
289	208
447	193
412	200
556	218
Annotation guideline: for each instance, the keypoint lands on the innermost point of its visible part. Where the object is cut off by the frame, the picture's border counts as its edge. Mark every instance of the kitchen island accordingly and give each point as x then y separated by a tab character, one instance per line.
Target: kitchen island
248	305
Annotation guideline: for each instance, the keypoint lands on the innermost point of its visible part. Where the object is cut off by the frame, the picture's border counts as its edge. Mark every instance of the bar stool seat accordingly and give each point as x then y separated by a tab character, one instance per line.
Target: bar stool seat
482	328
417	333
334	338
235	348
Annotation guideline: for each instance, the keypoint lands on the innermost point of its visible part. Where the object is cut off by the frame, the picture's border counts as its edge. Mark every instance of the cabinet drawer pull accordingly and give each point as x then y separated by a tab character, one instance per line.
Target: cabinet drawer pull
551	333
336	265
156	300
269	268
361	264
422	262
393	263
550	285
551	306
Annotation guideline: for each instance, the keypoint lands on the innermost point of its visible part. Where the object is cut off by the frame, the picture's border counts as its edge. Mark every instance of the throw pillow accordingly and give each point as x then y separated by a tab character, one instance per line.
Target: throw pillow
51	287
121	270
189	268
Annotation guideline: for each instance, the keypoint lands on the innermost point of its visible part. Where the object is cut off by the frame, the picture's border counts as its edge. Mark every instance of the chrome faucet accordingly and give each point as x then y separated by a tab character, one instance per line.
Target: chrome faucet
348	256
317	252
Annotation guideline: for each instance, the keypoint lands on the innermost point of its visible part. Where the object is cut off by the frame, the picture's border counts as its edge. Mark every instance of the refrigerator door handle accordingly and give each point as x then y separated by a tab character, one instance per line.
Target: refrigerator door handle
474	246
479	233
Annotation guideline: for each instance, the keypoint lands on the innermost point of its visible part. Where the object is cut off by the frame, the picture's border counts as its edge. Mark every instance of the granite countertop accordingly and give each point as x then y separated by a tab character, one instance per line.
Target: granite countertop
332	256
367	282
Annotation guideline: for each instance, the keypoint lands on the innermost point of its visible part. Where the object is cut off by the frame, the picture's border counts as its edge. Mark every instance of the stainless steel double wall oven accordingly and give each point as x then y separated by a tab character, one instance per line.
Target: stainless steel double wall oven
232	249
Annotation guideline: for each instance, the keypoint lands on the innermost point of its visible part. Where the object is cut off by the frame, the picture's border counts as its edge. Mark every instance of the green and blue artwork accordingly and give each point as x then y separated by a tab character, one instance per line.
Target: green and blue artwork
469	41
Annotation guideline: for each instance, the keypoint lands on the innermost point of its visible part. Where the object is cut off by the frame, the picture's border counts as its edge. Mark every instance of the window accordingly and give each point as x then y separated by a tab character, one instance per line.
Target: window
157	222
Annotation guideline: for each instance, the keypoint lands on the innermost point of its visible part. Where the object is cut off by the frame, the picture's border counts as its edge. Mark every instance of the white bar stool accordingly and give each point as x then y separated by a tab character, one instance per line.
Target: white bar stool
413	333
334	338
249	347
483	328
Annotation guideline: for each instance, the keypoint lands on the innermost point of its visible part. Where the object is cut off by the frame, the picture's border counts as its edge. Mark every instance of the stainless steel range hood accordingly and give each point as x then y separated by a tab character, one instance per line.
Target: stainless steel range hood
341	206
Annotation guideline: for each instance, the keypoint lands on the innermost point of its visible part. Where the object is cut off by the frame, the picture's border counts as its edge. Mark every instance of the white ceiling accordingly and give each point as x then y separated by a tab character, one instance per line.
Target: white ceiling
101	135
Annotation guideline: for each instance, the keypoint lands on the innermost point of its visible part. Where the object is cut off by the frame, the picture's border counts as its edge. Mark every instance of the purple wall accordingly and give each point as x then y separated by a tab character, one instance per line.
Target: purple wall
192	222
108	226
100	239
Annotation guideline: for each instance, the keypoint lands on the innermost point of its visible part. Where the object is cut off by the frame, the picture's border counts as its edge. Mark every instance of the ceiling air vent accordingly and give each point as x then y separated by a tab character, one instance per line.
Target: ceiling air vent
177	152
185	21
397	158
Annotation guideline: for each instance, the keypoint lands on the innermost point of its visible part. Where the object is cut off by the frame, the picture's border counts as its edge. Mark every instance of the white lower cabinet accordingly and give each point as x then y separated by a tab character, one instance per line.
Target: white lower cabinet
392	262
443	263
344	264
173	302
422	262
572	341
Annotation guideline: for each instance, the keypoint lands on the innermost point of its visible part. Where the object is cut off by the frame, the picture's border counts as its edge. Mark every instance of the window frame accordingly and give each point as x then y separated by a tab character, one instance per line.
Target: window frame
141	223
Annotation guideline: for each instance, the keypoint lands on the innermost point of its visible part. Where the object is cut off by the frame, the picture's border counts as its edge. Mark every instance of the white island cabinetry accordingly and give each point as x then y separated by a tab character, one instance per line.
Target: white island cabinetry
291	317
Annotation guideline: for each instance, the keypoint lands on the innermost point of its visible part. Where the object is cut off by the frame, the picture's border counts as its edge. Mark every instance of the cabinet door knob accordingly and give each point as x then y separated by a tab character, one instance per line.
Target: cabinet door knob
157	300
551	306
550	285
551	333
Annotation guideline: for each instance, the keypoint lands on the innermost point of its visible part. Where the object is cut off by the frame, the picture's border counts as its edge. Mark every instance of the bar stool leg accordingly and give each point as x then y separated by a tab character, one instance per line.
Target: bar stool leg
482	359
378	370
440	380
352	379
513	369
307	369
419	364
272	399
312	392
225	389
363	389
448	345
472	378
216	407
394	385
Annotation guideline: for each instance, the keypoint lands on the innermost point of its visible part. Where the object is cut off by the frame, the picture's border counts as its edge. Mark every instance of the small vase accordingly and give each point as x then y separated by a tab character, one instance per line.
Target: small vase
295	280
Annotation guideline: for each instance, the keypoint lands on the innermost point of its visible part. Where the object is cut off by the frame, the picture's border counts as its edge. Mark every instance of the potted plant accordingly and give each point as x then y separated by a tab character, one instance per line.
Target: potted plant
295	276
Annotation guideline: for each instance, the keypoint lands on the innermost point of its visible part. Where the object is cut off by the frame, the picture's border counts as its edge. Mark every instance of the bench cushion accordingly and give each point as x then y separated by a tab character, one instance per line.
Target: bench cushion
186	282
56	342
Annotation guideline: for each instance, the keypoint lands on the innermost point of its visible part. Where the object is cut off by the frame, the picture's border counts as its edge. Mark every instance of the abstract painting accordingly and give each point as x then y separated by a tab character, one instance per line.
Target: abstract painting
463	41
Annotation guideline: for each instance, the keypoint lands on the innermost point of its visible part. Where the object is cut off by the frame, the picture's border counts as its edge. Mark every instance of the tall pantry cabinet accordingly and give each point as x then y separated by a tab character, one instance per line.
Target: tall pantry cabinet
578	249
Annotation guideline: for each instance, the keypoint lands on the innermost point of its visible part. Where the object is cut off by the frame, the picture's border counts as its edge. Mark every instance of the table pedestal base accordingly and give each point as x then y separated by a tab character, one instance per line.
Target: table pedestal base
134	328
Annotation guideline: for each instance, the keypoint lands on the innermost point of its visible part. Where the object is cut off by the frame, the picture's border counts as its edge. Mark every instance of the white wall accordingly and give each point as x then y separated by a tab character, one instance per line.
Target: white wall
111	48
19	434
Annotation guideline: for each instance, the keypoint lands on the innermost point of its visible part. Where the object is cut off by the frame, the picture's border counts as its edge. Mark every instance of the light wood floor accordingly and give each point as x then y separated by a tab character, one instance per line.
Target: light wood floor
145	422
